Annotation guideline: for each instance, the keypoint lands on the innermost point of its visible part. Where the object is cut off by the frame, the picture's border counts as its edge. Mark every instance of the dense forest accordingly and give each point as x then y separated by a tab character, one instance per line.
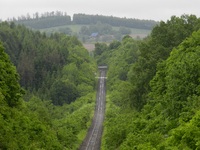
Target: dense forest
114	21
47	88
88	28
45	20
153	88
47	99
52	19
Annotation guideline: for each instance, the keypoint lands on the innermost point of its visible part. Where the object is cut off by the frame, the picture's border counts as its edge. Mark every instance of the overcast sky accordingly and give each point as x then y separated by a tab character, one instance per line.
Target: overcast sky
139	9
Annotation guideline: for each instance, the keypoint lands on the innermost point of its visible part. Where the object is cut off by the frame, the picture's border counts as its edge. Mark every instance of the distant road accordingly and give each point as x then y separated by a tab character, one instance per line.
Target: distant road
93	138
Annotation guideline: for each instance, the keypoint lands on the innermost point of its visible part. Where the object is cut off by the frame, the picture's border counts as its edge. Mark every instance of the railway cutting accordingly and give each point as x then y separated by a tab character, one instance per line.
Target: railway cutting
93	138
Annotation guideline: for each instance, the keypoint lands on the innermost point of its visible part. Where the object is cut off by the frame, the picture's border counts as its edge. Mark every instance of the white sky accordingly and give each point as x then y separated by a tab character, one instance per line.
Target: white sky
139	9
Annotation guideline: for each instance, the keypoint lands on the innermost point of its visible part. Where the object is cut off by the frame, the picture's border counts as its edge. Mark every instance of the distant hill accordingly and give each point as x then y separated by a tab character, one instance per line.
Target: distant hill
53	19
114	21
108	28
46	20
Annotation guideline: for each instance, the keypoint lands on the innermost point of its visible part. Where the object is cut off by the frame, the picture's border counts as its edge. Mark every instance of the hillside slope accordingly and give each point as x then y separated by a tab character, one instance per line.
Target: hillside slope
106	28
53	107
153	88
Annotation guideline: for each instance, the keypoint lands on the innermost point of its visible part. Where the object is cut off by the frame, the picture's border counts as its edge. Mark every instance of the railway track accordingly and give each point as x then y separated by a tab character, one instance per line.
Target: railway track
93	138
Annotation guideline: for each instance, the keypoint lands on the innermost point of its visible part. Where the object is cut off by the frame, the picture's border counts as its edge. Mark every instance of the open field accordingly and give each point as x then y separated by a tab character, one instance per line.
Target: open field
76	29
89	45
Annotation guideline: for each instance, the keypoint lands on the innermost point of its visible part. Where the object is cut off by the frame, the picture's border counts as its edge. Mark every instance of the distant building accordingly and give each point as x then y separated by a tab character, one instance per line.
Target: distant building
94	35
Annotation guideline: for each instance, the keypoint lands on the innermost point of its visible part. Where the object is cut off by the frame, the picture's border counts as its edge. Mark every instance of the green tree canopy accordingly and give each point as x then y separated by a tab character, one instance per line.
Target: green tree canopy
9	80
179	77
155	49
63	92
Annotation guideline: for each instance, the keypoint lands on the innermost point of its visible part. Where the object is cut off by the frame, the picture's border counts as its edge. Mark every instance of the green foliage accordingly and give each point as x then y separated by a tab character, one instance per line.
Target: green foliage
99	48
48	68
58	18
40	61
41	125
124	31
114	135
45	20
35	55
186	135
114	21
96	28
153	89
141	141
155	49
163	84
121	59
114	45
119	56
82	25
63	92
179	76
9	86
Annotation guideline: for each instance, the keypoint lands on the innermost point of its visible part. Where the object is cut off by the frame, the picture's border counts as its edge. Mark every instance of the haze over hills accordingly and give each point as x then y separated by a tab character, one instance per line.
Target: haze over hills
88	28
48	83
142	9
52	19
